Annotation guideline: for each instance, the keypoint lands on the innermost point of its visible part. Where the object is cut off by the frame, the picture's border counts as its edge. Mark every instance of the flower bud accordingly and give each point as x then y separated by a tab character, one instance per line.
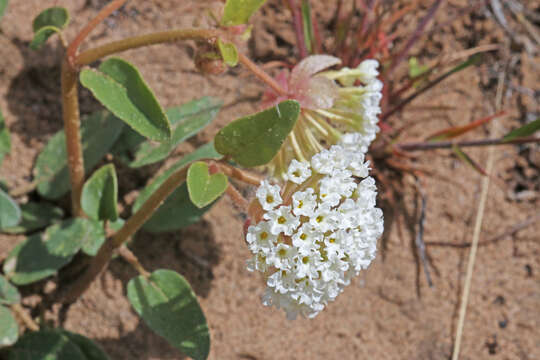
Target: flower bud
209	61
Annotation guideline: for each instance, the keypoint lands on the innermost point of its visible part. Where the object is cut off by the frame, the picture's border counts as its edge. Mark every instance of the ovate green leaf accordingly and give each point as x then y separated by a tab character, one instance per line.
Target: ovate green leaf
169	307
255	139
119	86
186	121
40	256
55	344
98	132
8	293
9	330
90	350
238	12
47	23
36	216
100	194
204	188
10	213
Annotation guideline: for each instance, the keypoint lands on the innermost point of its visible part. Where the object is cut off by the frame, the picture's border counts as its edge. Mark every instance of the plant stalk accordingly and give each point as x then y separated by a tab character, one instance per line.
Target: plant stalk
104	13
264	77
91	55
70	112
423	146
101	260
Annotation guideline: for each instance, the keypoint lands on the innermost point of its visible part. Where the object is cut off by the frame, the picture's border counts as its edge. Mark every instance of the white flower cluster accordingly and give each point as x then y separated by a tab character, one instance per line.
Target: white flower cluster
312	242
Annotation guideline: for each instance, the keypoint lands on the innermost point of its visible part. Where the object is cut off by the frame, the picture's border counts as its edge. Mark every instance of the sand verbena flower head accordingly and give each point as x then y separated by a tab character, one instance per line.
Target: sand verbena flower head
333	103
317	232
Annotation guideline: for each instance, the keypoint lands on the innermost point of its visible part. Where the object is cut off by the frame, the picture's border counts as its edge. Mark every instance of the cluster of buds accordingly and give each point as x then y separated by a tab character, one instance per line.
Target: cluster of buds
311	237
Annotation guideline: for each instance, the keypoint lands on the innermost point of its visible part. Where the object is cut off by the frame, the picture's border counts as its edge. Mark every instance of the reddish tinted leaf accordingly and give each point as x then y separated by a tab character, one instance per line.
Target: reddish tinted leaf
456	131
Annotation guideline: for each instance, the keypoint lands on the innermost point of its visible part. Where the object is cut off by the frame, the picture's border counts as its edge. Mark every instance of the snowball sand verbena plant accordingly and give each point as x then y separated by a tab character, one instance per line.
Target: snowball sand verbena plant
311	237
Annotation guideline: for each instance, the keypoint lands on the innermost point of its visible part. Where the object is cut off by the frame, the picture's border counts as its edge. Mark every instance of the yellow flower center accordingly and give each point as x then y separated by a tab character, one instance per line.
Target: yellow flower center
281	220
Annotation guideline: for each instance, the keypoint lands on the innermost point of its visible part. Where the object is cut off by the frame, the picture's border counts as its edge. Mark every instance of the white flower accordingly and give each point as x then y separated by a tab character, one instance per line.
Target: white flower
282	220
309	251
298	171
259	237
268	195
304	202
281	256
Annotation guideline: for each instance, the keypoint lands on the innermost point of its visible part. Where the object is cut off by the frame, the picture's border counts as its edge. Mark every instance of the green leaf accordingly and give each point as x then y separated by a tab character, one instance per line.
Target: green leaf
238	12
55	344
96	238
525	130
10	213
177	211
228	52
118	85
98	132
255	139
8	293
186	120
47	23
5	138
36	216
169	307
9	330
3	6
53	16
204	188
100	194
42	36
90	350
40	256
415	69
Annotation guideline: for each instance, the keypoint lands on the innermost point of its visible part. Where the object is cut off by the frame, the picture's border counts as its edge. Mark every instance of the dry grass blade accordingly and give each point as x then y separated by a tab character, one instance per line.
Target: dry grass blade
476	235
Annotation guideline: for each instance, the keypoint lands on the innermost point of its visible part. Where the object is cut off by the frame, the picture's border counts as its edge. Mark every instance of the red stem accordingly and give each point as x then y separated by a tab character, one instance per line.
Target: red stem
298	28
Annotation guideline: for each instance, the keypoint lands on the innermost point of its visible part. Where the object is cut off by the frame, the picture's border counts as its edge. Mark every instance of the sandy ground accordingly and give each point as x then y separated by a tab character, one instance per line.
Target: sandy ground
387	313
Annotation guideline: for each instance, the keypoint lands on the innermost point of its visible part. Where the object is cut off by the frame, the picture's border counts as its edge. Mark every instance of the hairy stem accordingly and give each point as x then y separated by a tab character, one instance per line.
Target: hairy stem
104	13
101	260
240	175
70	112
25	318
264	77
237	197
91	55
130	257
